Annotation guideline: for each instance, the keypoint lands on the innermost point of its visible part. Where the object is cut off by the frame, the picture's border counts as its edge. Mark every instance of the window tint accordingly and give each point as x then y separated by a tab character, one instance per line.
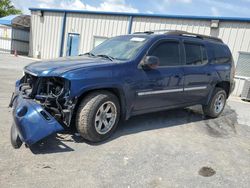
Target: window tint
221	54
168	53
195	54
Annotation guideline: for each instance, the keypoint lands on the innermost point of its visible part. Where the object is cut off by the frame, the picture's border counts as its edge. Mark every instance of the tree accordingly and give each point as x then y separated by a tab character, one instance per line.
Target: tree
7	8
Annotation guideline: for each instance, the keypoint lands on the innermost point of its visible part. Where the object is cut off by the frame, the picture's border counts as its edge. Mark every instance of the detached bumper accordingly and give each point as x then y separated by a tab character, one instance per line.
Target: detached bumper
32	121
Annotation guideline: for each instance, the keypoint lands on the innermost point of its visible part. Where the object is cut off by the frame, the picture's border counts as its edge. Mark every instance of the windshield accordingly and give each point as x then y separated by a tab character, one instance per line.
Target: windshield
120	48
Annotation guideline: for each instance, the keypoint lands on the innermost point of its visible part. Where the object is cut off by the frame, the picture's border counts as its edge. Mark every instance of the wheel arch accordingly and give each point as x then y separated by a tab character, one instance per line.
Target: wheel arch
224	85
115	91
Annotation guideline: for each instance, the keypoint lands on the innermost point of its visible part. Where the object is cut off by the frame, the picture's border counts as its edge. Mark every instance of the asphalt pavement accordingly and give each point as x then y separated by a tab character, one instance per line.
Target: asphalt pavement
174	148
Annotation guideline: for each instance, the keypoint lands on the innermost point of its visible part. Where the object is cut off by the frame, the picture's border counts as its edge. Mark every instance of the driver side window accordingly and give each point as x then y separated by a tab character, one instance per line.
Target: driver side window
168	53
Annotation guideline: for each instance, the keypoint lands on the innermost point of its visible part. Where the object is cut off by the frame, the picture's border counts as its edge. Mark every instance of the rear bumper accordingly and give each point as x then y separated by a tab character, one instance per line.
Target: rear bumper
32	120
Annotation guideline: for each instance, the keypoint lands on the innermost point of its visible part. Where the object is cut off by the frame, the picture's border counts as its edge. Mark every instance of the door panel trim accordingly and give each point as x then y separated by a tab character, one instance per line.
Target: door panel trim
171	90
159	92
195	88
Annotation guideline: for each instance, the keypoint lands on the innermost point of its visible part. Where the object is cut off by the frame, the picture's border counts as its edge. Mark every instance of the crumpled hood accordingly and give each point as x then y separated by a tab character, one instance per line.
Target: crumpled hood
59	66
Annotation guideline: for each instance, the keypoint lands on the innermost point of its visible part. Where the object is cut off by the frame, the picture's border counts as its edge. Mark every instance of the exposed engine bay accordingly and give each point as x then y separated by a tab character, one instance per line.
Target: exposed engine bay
52	93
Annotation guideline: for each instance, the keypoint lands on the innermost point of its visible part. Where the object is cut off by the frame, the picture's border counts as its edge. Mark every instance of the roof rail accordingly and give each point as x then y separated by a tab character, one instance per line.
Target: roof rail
144	32
188	34
153	31
182	33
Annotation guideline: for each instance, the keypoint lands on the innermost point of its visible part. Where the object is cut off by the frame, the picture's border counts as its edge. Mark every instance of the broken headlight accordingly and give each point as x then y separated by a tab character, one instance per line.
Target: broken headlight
53	94
52	87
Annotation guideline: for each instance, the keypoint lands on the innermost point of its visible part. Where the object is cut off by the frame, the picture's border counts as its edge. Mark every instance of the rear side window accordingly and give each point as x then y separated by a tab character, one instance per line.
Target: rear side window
168	53
195	54
221	53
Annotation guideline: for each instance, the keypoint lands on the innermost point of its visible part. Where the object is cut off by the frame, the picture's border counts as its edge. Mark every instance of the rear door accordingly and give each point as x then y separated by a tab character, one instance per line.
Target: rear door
197	71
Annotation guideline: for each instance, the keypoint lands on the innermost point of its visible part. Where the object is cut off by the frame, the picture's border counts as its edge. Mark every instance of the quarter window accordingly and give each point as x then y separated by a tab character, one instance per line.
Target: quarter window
168	53
221	54
195	54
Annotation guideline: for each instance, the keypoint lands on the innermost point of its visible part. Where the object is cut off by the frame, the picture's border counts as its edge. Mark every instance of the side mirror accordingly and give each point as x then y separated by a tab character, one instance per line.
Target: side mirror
150	62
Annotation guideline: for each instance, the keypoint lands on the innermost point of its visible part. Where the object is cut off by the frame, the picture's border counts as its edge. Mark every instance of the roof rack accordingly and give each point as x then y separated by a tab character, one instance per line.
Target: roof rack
152	31
145	32
182	33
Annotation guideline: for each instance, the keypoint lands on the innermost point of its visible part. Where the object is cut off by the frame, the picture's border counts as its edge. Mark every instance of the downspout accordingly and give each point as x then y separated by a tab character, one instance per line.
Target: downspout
63	33
130	23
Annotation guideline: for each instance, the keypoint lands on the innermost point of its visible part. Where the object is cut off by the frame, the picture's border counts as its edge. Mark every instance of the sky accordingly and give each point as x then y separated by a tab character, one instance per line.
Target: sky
228	8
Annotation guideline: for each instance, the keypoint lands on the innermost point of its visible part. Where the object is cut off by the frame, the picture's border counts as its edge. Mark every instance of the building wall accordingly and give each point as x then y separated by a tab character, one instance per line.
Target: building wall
20	41
88	26
5	39
194	26
235	34
14	39
45	35
46	30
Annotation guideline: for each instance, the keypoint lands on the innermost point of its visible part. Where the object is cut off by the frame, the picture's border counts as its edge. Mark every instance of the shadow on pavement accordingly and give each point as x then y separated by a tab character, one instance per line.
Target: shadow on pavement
222	126
51	144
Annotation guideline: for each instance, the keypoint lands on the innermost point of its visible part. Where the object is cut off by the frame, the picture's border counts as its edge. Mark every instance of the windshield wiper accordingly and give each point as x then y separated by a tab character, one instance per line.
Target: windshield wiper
89	54
101	55
106	56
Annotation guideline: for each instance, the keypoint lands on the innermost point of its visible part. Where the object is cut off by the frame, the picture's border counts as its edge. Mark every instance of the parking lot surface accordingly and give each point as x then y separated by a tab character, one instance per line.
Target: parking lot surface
175	148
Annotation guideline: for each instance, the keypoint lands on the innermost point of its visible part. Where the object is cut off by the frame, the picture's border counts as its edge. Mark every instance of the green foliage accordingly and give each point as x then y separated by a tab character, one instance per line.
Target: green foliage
7	8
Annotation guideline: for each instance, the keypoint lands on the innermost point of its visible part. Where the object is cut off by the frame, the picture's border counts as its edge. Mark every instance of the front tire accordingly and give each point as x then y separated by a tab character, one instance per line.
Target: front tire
97	116
216	104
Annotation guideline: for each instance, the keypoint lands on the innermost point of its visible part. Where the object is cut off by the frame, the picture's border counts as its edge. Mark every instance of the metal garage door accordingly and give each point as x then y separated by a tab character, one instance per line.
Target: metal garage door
243	65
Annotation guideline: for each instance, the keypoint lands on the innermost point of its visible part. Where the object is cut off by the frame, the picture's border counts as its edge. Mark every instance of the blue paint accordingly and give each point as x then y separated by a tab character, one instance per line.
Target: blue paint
73	44
240	19
127	78
130	24
7	20
31	125
63	33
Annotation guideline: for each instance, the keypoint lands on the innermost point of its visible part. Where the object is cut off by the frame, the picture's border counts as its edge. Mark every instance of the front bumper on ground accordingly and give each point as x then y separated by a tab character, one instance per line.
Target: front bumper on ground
32	121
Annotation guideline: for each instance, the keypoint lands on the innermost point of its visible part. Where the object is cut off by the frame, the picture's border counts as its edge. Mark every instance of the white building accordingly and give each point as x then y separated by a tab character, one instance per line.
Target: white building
56	32
14	34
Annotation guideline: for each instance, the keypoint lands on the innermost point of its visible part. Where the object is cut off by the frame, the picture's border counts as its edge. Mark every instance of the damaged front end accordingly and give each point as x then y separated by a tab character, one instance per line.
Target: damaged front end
41	106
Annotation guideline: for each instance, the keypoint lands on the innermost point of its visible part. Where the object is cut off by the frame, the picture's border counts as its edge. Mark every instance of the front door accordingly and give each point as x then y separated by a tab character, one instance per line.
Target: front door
161	87
73	44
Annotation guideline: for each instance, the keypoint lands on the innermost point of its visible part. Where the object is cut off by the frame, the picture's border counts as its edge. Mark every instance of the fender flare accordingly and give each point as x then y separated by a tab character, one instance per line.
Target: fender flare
118	91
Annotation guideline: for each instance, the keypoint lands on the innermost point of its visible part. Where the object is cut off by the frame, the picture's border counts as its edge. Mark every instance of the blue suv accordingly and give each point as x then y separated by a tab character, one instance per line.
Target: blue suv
122	77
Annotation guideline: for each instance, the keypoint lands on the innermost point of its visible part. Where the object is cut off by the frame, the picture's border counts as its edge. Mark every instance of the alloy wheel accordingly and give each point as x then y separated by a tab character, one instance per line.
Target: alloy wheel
105	117
219	103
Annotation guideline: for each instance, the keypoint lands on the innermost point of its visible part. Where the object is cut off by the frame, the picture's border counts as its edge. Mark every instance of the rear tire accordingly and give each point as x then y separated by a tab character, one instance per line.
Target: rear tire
97	116
216	104
15	140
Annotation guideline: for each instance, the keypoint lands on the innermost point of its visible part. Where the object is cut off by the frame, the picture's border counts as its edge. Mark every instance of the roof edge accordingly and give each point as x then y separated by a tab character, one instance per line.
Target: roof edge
239	19
7	20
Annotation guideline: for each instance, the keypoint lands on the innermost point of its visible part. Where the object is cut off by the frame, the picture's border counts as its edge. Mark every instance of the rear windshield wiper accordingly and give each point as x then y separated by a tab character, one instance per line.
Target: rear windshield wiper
106	56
